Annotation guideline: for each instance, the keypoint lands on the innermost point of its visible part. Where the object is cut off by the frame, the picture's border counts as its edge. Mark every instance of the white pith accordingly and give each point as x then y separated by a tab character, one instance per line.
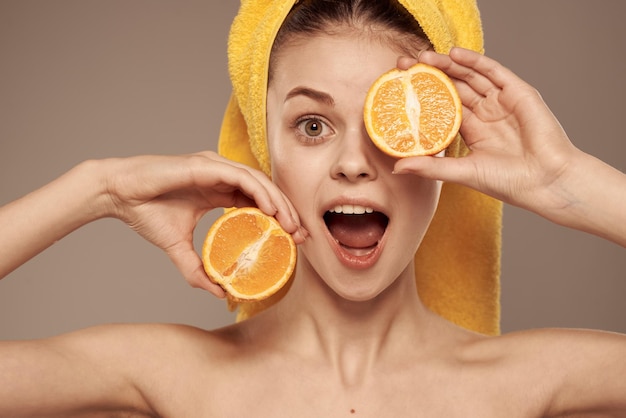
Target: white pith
249	256
412	106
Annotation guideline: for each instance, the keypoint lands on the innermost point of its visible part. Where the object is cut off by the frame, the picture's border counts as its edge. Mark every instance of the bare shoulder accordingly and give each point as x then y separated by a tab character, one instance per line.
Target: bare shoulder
145	340
561	371
149	349
183	370
549	342
147	369
545	347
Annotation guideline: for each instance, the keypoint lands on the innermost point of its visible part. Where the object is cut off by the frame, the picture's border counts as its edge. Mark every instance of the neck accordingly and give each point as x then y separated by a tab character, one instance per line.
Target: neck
353	336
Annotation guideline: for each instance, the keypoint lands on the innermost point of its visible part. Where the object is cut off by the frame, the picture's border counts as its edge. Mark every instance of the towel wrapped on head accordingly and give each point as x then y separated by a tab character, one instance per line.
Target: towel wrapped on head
458	263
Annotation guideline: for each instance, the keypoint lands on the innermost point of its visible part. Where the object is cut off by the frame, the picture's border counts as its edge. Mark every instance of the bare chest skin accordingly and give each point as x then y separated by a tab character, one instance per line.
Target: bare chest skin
307	396
253	371
284	385
303	394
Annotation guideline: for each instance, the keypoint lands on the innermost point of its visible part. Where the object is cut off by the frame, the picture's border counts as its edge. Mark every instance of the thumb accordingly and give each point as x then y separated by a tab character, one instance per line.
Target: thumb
190	265
449	169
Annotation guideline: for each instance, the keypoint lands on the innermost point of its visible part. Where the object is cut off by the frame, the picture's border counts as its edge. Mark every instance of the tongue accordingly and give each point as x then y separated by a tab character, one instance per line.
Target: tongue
357	231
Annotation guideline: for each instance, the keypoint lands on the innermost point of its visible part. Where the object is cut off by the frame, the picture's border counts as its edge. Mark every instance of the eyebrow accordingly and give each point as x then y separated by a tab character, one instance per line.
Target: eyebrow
316	95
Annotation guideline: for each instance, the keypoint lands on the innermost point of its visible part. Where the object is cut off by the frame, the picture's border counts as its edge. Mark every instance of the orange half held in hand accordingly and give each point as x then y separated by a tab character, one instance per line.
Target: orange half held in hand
248	254
413	112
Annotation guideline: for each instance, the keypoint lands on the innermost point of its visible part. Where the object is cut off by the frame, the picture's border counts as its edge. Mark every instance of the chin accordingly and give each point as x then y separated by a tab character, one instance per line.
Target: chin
367	285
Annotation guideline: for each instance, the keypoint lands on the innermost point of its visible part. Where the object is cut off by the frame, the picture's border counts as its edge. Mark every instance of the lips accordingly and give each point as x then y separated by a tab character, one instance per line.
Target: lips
356	233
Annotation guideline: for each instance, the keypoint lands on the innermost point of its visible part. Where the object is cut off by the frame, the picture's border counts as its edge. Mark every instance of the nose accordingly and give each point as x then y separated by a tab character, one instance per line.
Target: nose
355	157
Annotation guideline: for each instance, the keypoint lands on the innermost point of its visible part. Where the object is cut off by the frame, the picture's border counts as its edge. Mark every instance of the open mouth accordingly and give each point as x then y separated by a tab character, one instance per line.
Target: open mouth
356	229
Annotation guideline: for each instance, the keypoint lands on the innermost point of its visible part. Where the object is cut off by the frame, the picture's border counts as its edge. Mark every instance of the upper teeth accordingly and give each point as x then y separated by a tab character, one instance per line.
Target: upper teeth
351	209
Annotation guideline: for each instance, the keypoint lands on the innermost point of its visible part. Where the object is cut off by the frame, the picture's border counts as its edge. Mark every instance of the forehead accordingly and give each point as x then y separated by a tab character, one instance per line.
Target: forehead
348	59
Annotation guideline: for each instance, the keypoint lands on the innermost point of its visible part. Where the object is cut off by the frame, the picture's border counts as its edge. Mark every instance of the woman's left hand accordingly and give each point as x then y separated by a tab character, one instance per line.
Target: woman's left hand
519	152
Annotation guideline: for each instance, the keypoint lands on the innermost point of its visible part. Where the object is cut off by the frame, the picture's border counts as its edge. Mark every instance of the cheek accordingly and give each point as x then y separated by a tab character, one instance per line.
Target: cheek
295	169
282	173
293	173
422	195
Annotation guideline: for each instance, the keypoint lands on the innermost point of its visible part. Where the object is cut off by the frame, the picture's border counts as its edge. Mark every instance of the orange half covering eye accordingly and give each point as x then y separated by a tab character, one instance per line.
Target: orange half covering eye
412	112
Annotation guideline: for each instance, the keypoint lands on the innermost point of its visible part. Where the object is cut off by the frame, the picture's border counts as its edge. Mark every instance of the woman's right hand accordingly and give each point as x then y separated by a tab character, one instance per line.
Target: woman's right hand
163	197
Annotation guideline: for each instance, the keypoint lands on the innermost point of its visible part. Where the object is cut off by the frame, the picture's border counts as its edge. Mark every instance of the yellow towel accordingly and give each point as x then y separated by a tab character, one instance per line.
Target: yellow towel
458	263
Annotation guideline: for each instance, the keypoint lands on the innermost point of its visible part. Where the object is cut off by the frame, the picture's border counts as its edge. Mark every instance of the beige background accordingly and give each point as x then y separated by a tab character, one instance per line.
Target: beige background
92	79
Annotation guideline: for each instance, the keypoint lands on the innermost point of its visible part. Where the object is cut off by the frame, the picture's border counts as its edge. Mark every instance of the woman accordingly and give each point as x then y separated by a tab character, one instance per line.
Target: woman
352	335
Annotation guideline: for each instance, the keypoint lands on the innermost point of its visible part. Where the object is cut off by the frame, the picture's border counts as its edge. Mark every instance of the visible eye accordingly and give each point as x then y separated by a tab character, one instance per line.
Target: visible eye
312	129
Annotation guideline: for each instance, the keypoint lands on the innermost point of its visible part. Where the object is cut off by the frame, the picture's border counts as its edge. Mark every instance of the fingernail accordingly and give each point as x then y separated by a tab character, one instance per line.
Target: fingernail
300	235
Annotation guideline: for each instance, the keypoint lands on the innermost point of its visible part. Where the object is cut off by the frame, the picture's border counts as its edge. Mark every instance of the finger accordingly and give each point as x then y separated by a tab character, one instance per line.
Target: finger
284	211
273	202
470	98
253	183
189	264
240	200
489	68
404	63
298	232
230	184
464	72
260	189
255	187
449	169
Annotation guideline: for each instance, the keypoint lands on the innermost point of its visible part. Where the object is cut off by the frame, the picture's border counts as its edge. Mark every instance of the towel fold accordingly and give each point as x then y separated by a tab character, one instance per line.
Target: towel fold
458	263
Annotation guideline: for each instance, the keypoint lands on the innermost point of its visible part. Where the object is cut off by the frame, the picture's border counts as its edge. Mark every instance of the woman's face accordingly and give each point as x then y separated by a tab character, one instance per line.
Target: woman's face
365	223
